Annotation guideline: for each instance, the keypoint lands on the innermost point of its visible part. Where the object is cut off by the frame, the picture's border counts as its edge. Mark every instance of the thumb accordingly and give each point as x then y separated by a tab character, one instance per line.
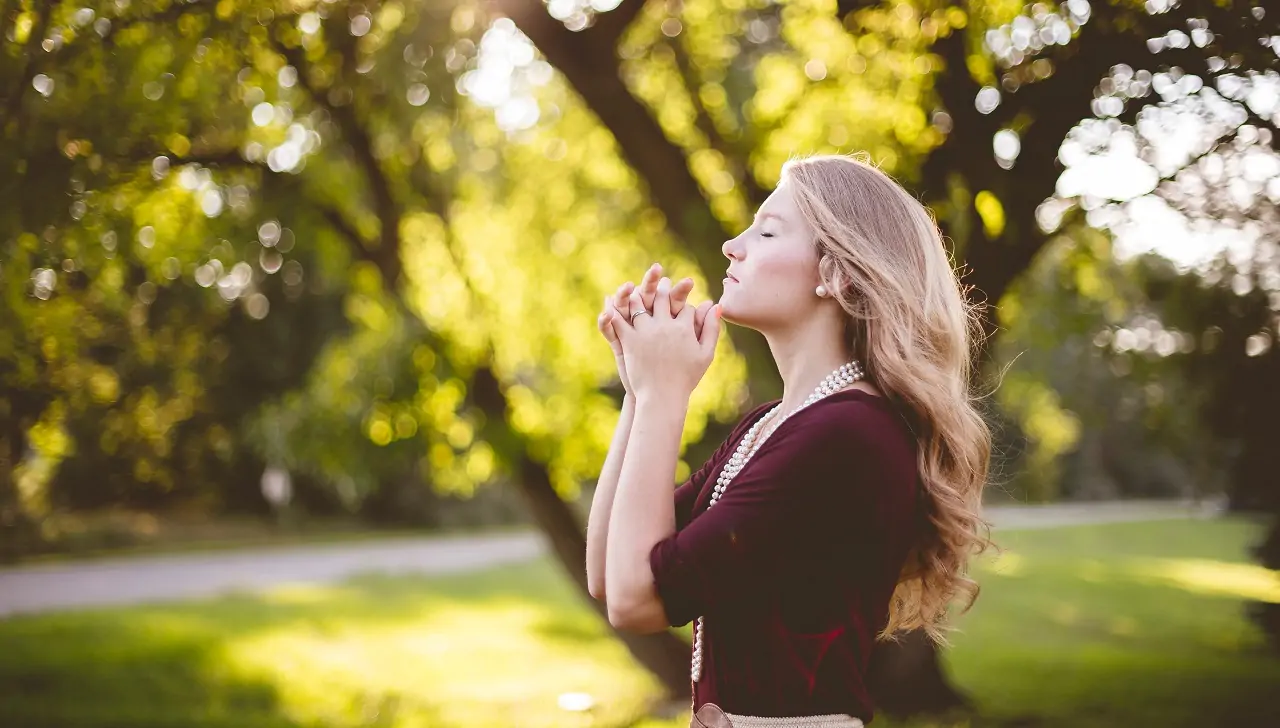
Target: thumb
711	331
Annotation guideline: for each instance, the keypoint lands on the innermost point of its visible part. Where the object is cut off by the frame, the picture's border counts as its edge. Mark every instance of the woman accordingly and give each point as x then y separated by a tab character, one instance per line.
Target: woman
842	514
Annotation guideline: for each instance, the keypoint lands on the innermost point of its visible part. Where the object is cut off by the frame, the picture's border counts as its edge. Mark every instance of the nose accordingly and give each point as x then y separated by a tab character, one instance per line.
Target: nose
732	249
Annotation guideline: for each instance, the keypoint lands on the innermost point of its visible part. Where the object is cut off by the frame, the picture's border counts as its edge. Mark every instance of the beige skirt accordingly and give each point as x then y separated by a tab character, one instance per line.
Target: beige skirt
711	716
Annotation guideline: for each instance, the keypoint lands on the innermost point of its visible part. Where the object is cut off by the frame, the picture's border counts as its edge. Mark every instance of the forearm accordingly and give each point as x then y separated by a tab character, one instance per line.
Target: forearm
602	501
644	513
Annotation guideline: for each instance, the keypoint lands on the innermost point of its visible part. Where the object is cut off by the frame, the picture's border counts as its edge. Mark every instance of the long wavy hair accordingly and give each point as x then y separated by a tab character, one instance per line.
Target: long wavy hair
882	257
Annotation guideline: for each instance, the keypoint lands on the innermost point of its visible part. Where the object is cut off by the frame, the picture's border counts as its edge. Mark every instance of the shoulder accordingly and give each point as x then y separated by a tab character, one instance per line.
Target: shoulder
854	416
852	429
862	453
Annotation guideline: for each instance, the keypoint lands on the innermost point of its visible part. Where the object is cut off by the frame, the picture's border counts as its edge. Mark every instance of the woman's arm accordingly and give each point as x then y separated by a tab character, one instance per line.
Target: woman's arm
602	501
644	496
606	484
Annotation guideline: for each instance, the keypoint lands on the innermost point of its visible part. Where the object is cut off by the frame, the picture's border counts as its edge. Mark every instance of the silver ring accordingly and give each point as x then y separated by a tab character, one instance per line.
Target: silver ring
637	313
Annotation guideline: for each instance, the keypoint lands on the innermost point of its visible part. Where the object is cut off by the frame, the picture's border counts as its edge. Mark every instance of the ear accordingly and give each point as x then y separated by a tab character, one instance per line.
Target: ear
828	275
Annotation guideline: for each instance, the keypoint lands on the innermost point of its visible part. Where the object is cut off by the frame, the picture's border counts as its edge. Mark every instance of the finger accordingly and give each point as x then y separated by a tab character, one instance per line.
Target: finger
680	294
684	314
606	328
627	329
710	332
662	301
622	330
649	286
621	300
700	316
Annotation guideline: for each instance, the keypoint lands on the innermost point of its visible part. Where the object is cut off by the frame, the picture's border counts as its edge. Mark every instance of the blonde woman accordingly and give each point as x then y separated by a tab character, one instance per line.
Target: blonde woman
838	516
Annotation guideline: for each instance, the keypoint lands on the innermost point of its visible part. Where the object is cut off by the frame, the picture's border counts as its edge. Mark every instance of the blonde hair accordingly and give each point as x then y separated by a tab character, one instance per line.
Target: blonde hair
882	257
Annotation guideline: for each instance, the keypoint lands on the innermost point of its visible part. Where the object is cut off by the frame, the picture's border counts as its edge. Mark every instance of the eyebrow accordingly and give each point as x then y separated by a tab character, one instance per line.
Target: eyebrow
770	214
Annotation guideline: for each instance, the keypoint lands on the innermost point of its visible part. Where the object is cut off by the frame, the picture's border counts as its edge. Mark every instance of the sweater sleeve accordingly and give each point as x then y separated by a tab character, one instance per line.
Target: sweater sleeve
821	476
687	494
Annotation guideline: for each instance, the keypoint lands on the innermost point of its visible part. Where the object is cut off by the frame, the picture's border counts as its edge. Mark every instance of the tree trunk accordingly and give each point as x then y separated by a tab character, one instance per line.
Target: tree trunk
663	654
19	534
1266	615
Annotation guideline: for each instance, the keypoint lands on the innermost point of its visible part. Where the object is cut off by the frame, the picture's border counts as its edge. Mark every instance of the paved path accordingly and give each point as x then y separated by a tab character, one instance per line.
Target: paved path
132	580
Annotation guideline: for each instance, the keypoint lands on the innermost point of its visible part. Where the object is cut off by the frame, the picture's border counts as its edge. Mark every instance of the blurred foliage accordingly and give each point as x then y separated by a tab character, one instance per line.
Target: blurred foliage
133	183
300	231
1099	420
1235	366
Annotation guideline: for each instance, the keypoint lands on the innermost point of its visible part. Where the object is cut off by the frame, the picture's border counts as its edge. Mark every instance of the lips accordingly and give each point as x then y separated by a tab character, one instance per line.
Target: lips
731	277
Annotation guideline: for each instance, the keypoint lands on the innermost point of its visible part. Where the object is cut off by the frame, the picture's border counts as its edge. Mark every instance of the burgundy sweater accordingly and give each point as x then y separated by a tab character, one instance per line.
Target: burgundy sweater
794	566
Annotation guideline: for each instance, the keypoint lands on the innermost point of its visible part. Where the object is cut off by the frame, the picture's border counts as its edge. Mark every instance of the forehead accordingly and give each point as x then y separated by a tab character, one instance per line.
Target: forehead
778	206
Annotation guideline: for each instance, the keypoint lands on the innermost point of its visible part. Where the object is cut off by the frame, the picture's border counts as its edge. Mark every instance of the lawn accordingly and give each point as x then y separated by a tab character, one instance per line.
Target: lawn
1120	625
1110	625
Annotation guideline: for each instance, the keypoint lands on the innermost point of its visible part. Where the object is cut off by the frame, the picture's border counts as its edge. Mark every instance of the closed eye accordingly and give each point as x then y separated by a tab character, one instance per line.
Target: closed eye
766	235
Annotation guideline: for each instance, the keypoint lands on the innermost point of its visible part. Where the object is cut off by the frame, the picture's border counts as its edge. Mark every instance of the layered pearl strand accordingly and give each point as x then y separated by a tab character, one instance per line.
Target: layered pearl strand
839	379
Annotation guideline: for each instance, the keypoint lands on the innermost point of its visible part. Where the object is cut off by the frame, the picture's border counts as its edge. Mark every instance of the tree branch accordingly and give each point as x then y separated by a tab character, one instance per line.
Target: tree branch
386	208
610	26
590	65
166	17
735	158
4	16
28	72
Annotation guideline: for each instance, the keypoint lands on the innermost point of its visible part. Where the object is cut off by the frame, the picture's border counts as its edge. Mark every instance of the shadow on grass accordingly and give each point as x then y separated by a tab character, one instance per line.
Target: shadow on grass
492	648
99	674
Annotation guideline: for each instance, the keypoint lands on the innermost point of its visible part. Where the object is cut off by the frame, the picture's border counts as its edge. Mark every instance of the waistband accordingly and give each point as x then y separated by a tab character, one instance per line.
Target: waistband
840	720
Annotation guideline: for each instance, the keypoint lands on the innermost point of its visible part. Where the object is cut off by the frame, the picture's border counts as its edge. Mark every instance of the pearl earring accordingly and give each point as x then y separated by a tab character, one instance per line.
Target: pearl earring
821	291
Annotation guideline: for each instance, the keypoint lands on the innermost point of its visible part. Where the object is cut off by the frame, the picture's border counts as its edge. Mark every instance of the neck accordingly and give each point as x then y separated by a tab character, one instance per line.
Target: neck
806	355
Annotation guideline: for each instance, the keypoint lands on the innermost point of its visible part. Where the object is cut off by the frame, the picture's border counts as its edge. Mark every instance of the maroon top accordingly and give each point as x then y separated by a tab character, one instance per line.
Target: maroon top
794	567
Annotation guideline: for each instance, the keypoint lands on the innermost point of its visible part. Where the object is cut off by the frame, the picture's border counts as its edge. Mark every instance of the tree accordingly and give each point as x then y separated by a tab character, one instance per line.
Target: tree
379	176
1011	80
429	146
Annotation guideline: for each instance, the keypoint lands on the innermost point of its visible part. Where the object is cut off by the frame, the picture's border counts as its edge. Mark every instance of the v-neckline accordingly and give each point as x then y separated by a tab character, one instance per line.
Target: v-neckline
704	495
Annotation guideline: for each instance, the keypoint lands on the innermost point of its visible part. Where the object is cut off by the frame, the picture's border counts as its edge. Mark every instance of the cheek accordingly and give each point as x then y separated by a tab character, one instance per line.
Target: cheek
786	274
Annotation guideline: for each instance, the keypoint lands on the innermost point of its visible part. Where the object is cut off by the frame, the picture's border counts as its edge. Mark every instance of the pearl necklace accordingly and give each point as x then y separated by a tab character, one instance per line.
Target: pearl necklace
837	380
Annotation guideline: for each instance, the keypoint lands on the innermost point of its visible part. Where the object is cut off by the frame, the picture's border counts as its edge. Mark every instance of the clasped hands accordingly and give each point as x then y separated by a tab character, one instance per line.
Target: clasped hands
663	354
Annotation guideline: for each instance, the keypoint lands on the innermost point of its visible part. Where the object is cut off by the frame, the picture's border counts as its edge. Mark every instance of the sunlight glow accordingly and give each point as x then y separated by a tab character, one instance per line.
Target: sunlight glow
1245	581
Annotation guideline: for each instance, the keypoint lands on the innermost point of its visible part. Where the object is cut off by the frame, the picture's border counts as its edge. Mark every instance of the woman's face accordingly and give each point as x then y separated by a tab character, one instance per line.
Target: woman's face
773	267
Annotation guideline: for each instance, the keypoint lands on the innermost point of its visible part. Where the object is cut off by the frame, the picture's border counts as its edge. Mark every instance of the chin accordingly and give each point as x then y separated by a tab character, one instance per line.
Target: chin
732	309
730	314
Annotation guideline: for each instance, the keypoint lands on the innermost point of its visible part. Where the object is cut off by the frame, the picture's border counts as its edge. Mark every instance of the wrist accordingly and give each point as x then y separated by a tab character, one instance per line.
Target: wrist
661	403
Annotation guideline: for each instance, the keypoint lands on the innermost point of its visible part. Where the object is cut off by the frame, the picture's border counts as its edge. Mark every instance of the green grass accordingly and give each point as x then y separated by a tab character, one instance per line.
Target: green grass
1120	625
1112	625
